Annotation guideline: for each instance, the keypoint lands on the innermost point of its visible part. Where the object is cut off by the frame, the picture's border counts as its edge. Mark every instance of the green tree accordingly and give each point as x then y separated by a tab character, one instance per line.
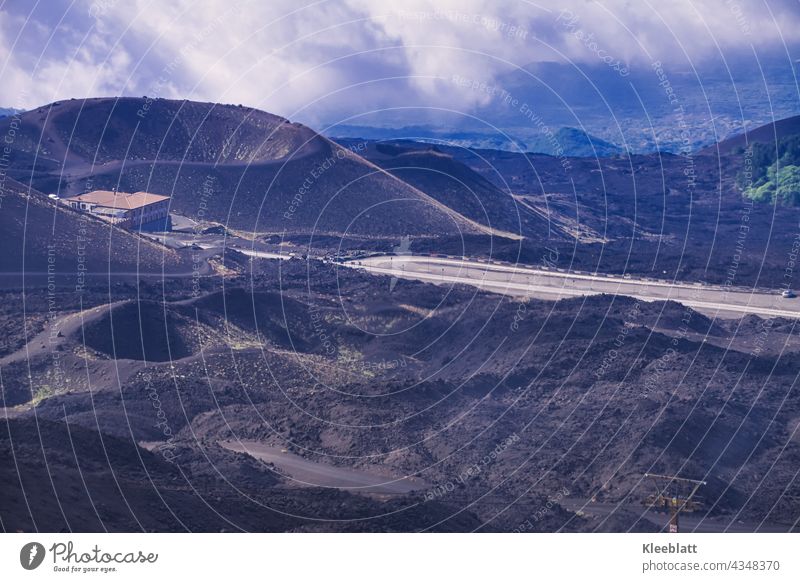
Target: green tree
767	183
787	188
781	186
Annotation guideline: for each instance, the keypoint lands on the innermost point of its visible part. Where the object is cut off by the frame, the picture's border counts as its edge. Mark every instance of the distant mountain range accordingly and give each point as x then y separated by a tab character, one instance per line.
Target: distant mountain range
548	106
587	110
566	141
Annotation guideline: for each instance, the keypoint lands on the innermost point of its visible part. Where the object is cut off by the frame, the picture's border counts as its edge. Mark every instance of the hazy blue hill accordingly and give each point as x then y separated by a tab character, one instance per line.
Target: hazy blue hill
713	100
567	141
577	143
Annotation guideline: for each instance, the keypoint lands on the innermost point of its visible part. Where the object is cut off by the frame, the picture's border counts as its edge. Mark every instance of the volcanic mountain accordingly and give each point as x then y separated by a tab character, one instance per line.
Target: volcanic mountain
436	171
248	169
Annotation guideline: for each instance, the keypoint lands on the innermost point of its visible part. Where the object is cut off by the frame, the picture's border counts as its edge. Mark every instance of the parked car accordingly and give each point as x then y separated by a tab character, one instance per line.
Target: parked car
788	294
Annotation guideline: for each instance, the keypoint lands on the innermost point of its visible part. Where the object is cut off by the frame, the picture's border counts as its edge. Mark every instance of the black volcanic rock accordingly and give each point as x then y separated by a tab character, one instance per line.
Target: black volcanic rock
37	234
456	185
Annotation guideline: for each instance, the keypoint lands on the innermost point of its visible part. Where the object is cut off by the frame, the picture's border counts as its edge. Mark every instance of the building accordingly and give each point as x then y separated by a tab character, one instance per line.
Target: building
137	210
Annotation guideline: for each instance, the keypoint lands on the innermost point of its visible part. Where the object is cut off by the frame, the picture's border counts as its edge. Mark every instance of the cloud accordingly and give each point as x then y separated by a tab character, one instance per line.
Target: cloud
330	60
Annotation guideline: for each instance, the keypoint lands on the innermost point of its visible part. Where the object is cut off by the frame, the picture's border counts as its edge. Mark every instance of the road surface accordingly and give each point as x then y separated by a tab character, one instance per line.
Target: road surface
549	284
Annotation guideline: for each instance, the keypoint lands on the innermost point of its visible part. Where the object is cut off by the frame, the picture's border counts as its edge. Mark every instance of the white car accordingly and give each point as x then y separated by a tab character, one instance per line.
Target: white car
788	294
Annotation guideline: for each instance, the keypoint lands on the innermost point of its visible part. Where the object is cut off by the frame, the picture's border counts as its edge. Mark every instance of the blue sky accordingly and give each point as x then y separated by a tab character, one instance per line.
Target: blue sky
327	60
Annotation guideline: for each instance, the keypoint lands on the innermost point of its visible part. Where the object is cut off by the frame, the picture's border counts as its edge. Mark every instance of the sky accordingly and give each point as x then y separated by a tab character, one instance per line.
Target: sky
318	61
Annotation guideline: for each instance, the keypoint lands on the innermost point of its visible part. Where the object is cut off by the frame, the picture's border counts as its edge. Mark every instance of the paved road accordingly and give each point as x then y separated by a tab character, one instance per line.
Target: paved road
547	284
315	474
262	254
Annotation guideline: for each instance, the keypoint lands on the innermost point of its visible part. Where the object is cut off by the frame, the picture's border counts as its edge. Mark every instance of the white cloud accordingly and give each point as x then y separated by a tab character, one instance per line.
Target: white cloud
299	58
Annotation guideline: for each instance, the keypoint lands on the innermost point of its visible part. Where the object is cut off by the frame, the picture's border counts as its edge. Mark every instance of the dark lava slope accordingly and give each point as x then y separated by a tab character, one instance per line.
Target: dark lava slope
239	166
347	369
768	134
37	234
58	477
457	186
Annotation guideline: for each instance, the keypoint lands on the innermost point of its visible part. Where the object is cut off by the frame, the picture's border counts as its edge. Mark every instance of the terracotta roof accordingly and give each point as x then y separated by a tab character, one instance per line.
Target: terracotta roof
121	200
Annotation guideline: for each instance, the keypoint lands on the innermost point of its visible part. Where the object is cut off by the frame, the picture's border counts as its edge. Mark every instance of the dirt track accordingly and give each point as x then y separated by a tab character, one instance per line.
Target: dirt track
57	332
310	473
